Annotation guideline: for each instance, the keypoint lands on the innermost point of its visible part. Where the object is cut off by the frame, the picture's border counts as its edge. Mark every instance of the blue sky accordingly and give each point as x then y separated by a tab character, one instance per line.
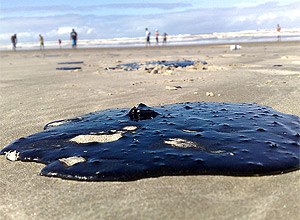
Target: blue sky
128	18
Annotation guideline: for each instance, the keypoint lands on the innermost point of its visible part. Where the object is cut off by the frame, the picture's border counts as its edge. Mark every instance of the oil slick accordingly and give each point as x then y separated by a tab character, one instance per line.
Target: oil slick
180	139
159	66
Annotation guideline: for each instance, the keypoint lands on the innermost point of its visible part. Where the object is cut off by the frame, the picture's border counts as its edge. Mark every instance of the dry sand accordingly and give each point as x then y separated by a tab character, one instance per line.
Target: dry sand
34	93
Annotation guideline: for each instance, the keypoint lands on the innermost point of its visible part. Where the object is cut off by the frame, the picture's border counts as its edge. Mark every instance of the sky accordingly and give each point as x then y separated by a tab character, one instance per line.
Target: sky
97	19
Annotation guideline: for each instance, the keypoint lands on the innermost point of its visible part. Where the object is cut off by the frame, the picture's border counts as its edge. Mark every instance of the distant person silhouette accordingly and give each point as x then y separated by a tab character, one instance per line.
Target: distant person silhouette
148	37
59	43
14	41
156	37
74	38
41	42
278	32
164	39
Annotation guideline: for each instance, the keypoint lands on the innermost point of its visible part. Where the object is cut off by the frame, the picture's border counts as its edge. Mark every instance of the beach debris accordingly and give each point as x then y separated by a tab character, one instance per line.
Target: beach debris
142	112
76	62
277	65
76	68
208	138
68	68
210	94
235	47
173	87
161	67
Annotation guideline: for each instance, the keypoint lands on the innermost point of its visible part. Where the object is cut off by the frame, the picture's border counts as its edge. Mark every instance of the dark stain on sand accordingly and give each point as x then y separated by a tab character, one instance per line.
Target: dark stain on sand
179	139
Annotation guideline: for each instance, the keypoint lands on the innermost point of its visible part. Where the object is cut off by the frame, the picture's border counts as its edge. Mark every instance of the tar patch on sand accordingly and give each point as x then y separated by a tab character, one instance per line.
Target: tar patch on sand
180	139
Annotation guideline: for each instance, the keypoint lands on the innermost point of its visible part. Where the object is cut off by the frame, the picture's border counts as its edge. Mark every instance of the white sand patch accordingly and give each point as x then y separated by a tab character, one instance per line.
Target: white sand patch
103	138
70	161
54	124
188	131
12	155
180	143
218	151
130	128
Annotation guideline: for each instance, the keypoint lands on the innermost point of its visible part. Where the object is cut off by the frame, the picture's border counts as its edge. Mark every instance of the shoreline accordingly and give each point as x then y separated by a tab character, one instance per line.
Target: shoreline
153	46
34	93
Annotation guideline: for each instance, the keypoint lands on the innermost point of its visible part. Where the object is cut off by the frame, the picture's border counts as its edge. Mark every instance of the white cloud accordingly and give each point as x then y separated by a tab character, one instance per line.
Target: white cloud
85	30
256	3
253	3
64	30
5	37
242	19
266	17
294	15
91	31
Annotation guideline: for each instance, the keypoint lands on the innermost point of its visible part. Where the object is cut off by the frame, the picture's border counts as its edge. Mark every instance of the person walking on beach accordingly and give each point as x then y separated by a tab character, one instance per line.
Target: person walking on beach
59	43
156	37
74	39
148	37
41	42
278	32
14	41
165	39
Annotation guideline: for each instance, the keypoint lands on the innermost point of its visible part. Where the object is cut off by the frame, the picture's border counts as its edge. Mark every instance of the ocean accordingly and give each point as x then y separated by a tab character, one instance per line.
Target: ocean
265	35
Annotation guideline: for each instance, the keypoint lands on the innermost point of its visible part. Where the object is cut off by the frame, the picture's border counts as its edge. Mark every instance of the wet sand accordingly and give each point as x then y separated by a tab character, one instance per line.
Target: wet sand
33	93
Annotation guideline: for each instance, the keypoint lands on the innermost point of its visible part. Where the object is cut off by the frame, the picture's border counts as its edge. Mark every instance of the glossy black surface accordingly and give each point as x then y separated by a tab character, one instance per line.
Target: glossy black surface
68	68
179	139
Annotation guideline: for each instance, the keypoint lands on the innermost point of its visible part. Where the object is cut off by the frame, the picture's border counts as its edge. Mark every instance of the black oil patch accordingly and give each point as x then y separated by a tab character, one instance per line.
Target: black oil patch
151	65
76	62
180	139
68	68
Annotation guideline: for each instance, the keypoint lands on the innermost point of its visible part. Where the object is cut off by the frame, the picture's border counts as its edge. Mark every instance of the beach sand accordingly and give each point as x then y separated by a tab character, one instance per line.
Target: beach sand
34	93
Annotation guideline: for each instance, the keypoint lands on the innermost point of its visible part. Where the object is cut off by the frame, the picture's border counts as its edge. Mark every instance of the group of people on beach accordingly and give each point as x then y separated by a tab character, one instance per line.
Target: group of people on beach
73	37
148	34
